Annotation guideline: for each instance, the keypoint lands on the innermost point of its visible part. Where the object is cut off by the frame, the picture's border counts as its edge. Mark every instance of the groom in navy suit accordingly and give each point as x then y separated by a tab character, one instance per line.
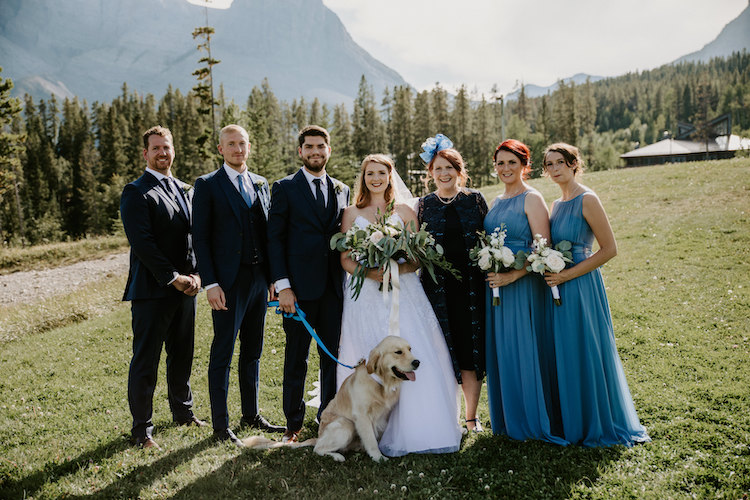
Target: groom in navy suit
229	227
162	284
306	210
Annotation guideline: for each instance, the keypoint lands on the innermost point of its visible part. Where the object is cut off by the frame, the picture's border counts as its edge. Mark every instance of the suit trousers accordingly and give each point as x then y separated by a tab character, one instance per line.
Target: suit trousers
246	314
324	315
169	321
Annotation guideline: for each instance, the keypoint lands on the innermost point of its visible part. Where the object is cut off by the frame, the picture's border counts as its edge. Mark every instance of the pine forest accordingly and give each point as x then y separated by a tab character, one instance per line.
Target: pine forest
63	164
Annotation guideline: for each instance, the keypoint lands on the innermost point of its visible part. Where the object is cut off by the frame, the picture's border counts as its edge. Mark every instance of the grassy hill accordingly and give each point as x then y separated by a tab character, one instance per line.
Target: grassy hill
679	291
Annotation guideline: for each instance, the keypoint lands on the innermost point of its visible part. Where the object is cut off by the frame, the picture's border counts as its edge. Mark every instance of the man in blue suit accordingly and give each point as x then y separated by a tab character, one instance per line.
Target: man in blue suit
162	284
229	227
306	210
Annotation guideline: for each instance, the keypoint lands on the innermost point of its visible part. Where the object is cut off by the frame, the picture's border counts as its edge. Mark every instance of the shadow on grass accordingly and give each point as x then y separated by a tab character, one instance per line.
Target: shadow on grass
131	484
486	466
28	486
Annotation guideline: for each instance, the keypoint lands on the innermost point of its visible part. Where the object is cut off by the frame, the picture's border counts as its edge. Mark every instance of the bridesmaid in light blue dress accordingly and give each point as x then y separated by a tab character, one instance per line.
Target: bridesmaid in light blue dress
596	406
520	401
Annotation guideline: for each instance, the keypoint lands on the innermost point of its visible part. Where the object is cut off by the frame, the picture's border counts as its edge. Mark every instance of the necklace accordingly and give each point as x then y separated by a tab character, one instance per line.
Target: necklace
574	193
449	200
508	196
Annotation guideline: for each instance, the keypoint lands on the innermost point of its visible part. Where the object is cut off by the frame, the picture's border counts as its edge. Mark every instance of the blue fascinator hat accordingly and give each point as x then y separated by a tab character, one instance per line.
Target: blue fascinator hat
434	144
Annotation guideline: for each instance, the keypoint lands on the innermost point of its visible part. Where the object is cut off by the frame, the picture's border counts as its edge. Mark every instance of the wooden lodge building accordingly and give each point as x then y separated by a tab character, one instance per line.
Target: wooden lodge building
720	144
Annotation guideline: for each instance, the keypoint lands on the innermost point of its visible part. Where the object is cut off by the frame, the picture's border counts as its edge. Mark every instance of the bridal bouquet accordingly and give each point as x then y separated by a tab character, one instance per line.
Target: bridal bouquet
492	256
543	258
382	243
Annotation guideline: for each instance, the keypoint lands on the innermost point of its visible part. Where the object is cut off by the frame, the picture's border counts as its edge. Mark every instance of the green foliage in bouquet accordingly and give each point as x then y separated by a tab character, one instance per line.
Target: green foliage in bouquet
381	242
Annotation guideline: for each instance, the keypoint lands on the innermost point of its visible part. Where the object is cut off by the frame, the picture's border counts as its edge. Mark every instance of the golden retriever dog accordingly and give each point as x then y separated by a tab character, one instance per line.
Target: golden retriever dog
356	418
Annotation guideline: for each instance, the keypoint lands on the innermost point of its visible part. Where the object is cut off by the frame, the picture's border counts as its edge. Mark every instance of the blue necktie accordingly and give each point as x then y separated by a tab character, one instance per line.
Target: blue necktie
243	191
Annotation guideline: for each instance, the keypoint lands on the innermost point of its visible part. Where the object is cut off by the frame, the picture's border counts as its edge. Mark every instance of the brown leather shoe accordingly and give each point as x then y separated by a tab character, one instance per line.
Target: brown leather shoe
290	436
146	442
193	421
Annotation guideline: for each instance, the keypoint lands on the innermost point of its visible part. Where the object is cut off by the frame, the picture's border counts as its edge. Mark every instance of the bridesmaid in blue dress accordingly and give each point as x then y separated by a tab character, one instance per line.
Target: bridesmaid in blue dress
596	406
518	401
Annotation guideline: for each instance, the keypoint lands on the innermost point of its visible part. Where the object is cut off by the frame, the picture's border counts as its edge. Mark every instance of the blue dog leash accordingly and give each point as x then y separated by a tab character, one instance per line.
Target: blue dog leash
300	316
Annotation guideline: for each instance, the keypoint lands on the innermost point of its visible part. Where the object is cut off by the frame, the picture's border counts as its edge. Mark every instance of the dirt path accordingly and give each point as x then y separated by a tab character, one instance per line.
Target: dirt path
29	286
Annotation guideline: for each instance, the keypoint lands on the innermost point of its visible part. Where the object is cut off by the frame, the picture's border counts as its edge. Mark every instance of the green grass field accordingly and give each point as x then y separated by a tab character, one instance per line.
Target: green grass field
679	291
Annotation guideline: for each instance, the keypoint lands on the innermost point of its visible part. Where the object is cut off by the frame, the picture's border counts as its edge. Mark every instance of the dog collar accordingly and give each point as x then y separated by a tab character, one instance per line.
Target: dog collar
379	380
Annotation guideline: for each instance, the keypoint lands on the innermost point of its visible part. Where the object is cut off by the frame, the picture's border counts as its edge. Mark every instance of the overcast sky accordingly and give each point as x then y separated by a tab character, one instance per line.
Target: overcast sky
482	42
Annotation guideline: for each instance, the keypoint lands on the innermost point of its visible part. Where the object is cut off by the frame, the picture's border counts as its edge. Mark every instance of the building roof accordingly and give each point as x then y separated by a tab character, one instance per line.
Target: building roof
671	147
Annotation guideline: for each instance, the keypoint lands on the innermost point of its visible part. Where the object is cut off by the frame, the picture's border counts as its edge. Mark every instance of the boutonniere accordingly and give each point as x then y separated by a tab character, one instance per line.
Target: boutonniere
259	183
338	187
186	188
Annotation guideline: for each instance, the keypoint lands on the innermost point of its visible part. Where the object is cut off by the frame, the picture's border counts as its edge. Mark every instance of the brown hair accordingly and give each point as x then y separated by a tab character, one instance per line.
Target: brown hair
570	154
520	150
363	194
157	130
313	130
456	161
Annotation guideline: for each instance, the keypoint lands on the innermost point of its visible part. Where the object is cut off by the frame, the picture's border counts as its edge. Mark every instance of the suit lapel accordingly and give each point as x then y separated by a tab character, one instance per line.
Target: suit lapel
306	193
261	192
161	190
229	191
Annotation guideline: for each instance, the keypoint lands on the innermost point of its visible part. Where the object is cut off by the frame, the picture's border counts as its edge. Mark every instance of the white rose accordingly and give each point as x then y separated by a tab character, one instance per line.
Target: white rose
497	253
545	252
538	266
392	231
484	251
555	262
376	236
508	257
484	262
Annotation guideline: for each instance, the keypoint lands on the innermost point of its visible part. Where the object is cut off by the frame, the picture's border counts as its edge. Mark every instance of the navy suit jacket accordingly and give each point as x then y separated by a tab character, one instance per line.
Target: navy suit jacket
217	226
299	239
159	236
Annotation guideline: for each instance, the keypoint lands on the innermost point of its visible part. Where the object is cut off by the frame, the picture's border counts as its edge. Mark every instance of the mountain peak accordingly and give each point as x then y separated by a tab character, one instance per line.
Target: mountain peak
88	48
734	37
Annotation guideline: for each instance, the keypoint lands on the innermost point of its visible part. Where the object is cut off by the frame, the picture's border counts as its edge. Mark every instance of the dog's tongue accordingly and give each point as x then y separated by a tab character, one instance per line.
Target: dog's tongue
411	376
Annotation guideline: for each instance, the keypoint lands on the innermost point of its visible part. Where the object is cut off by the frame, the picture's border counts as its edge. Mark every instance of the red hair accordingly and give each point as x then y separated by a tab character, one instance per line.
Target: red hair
520	150
456	161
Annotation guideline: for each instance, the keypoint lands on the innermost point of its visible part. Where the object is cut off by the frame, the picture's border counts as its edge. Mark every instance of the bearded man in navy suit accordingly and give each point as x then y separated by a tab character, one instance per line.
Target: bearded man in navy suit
162	284
306	210
229	227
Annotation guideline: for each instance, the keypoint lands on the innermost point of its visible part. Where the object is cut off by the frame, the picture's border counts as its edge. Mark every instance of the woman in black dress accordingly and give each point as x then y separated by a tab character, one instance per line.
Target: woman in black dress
453	215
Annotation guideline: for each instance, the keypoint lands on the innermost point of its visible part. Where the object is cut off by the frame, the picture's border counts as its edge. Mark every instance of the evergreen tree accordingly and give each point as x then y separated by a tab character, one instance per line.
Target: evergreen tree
439	106
11	174
368	134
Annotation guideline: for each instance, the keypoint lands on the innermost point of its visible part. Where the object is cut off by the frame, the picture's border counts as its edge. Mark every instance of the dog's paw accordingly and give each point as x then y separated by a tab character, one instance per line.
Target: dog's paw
338	457
379	458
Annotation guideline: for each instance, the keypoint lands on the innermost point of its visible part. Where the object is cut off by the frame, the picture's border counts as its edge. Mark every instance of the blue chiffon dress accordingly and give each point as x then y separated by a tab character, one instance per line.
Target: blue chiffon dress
515	388
596	406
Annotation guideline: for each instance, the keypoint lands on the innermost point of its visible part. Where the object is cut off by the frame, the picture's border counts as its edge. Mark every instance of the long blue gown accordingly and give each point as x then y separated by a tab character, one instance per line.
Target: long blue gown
514	380
596	406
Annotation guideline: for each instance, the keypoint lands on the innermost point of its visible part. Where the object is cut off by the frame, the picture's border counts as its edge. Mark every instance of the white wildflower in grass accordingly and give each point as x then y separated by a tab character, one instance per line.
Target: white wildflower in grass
544	259
492	256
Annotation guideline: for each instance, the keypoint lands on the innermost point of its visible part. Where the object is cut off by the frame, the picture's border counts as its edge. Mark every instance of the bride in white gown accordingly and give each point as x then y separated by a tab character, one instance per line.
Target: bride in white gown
425	420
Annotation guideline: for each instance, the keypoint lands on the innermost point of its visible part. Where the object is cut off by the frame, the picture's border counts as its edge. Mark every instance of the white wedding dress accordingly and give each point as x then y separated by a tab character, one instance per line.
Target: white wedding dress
425	420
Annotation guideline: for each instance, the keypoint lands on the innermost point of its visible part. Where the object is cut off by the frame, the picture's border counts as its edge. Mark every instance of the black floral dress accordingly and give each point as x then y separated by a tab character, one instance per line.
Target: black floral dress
458	305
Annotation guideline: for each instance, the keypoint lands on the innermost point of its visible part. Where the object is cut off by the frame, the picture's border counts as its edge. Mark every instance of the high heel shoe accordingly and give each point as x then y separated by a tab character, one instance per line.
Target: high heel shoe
477	424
